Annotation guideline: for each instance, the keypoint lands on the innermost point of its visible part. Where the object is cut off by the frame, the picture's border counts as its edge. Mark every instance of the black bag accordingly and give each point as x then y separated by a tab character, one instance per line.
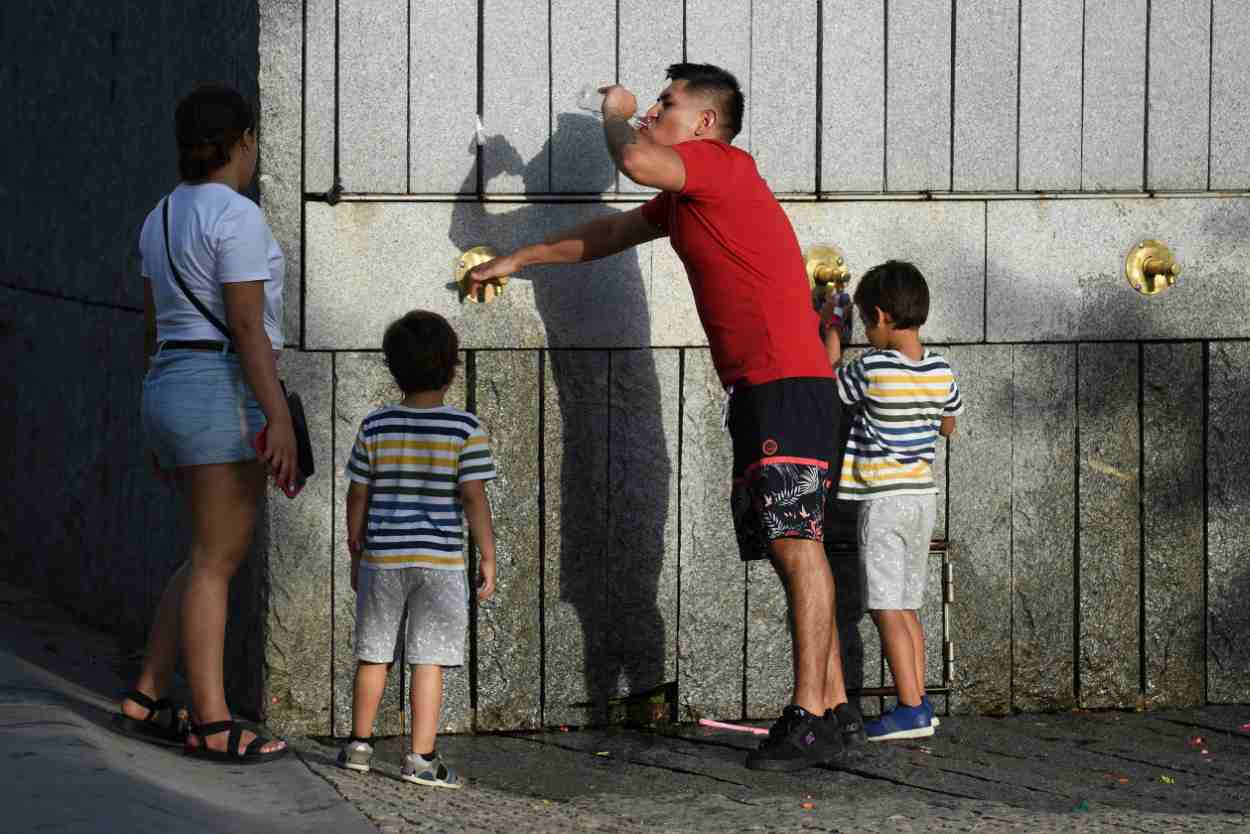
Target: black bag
303	443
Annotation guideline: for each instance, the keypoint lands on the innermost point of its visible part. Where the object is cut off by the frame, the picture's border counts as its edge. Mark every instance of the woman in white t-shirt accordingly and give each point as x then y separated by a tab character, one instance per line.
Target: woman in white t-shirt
205	398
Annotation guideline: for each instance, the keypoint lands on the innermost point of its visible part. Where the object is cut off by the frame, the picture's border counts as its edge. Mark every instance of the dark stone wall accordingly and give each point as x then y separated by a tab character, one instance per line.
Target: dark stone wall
89	91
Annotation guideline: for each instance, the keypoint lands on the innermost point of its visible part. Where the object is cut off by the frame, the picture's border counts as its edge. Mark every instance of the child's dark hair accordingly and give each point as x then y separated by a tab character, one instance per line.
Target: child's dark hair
207	124
720	84
899	289
421	351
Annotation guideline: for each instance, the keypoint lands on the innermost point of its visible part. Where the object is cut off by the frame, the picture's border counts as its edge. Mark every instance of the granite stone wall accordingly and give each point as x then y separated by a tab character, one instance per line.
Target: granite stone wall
1092	503
1086	496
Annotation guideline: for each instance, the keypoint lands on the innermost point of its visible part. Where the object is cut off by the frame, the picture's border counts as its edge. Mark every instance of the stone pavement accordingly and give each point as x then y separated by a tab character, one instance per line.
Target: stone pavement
65	771
1083	772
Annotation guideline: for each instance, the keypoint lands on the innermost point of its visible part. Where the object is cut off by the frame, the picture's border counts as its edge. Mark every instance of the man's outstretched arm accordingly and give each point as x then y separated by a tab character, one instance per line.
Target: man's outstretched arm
599	238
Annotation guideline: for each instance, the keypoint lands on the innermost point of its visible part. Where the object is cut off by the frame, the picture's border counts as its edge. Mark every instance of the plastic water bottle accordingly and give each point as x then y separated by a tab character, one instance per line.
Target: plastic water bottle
591	100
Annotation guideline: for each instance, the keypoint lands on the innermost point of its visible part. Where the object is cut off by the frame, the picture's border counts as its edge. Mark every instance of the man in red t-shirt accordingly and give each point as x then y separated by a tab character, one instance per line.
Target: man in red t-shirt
750	288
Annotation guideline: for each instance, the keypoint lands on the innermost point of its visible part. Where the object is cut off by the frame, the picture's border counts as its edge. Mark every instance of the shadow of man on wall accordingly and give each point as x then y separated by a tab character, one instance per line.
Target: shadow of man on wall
605	535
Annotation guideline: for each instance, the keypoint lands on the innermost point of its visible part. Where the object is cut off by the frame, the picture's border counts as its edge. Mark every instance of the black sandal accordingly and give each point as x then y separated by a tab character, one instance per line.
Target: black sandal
232	754
170	733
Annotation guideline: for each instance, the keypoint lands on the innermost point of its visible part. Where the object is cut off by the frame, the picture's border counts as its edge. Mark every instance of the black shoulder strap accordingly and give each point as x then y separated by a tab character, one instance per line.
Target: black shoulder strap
199	305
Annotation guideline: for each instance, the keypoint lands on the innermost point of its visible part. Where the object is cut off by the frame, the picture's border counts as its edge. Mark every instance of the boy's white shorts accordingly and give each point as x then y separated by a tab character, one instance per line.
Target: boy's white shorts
894	533
428	608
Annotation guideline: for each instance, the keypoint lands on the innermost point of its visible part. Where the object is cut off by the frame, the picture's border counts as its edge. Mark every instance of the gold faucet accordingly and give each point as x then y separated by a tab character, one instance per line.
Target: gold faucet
486	292
827	272
1151	267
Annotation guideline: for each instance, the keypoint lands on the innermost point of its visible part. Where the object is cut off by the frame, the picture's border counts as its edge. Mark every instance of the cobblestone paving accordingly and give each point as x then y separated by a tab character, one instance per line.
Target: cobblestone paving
1103	772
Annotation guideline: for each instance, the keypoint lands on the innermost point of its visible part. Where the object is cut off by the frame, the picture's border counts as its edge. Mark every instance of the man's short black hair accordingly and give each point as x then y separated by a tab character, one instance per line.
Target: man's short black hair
720	85
899	289
421	351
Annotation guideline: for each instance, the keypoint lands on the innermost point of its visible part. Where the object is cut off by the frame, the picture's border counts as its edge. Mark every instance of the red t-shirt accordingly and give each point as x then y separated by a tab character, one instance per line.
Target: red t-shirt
744	265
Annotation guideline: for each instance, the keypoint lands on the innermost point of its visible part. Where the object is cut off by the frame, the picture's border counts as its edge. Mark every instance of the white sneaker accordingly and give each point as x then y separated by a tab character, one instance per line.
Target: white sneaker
431	772
356	755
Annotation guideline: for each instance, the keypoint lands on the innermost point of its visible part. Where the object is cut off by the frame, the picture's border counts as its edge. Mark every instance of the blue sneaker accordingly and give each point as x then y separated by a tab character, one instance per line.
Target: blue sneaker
899	723
934	721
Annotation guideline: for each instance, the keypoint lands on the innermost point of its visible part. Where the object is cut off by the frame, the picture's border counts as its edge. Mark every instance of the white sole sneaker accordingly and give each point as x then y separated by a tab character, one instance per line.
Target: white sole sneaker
355	756
432	783
918	732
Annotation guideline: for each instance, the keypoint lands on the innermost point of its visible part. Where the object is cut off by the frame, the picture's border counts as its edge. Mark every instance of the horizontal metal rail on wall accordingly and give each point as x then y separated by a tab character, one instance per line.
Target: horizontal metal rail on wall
840	197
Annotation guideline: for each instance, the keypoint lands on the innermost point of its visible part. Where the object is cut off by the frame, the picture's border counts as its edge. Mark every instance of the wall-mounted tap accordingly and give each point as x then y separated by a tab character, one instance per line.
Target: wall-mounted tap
1151	267
486	292
827	272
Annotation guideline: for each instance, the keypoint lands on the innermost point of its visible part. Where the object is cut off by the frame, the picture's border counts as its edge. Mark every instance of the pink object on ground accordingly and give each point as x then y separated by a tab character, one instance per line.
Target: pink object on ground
741	728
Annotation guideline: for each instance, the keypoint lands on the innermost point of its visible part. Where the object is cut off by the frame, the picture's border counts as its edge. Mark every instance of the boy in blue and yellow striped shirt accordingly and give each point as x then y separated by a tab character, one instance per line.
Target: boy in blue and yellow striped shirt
903	396
416	468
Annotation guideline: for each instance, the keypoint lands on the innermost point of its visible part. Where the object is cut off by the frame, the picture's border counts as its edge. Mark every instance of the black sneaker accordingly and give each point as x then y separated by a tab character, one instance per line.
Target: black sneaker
798	740
850	727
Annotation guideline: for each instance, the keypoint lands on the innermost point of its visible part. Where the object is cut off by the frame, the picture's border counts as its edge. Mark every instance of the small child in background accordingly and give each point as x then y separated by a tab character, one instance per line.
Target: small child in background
904	396
415	470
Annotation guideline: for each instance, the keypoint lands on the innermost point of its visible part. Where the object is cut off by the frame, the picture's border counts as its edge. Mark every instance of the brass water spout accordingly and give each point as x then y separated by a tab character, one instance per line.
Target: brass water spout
827	271
1151	267
489	290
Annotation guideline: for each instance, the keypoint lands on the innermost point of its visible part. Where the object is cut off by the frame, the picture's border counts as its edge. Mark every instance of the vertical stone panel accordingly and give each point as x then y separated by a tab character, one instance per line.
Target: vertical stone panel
1043	509
852	146
361	384
710	638
457	713
1113	133
517	107
583	51
931	622
442	97
782	98
649	39
1180	85
918	96
373	95
575	587
980	530
509	651
769	664
281	115
301	560
1050	94
1230	95
320	131
719	32
940	456
1173	502
1110	549
1228	524
642	517
986	54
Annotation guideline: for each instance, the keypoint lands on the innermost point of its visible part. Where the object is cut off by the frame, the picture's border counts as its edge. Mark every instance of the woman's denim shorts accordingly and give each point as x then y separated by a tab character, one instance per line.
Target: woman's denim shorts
197	409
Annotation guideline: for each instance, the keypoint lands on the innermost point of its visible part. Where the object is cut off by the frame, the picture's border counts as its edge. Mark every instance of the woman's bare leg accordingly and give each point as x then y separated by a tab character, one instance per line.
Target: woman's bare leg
162	649
224	501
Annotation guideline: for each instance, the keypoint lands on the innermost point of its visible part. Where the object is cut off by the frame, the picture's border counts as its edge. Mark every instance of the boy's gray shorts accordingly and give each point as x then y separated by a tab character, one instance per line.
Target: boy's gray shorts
894	533
437	607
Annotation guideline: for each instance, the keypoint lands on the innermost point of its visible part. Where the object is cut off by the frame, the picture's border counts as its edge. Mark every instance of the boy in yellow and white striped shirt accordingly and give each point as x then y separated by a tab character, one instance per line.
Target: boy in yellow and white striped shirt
903	397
